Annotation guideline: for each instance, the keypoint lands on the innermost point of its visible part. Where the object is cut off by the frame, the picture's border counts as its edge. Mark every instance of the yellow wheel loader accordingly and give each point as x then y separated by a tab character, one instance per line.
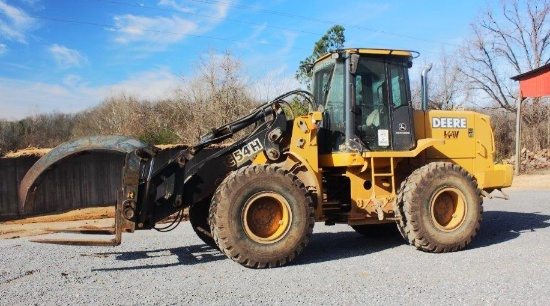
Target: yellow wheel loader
362	156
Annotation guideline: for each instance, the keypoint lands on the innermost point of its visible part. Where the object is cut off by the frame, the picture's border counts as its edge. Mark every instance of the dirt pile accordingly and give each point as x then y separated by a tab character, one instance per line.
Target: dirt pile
39	152
531	161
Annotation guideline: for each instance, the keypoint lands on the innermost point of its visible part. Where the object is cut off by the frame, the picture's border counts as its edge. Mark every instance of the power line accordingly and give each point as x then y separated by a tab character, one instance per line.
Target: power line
318	20
110	26
115	27
277	13
203	15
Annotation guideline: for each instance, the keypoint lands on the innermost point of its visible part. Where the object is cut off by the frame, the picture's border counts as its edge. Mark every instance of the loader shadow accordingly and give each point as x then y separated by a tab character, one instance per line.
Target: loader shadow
497	227
188	255
325	247
501	226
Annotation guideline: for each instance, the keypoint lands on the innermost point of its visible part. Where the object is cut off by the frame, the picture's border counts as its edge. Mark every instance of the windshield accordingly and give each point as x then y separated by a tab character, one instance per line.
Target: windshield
322	75
328	88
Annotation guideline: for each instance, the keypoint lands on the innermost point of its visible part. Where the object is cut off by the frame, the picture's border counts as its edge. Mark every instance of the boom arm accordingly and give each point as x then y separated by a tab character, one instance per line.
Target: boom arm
192	175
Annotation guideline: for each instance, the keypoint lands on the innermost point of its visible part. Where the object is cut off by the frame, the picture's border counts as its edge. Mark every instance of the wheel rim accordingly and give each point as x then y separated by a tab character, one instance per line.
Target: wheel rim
266	217
448	209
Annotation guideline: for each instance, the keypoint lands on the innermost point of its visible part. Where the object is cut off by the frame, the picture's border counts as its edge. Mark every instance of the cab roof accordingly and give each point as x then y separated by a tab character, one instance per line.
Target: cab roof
372	51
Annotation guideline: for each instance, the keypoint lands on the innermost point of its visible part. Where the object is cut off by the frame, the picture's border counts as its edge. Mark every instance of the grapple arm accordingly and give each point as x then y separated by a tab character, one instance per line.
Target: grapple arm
137	154
113	144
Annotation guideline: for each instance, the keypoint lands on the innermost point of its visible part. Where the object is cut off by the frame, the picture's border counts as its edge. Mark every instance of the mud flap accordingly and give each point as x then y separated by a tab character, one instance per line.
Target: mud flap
137	153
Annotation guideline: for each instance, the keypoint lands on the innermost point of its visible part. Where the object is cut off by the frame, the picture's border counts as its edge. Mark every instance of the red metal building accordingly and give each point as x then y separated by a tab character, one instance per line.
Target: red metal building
532	84
535	83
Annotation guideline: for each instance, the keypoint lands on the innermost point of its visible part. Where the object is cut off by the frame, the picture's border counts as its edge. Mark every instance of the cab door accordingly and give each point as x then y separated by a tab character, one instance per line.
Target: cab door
372	111
382	104
403	137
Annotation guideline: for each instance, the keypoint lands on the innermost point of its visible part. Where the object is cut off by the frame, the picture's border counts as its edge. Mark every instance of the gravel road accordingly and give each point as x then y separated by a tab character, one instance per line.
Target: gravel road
507	264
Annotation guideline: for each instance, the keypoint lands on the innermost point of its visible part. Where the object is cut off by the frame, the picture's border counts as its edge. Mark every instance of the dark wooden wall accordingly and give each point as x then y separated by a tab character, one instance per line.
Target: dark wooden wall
87	180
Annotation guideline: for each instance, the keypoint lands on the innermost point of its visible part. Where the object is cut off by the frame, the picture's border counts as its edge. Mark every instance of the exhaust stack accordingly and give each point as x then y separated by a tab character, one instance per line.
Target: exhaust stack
424	81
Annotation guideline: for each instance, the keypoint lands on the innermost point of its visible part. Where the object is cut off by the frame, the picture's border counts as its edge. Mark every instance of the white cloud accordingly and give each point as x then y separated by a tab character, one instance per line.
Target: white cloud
22	98
273	83
220	11
289	44
3	49
14	22
222	7
71	80
175	5
149	85
65	57
257	31
160	31
35	4
164	30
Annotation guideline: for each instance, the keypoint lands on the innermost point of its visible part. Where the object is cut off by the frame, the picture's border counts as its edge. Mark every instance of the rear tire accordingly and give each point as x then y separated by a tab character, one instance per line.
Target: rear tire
440	208
262	216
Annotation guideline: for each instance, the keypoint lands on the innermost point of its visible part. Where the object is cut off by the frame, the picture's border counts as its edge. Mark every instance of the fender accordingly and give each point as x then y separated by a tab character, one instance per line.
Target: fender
112	144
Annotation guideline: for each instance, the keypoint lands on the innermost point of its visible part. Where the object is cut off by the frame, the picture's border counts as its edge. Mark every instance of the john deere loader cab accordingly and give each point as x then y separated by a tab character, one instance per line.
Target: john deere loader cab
366	99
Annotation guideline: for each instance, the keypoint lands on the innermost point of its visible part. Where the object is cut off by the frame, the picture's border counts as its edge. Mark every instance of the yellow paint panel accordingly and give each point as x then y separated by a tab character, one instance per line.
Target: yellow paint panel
260	159
501	176
341	160
458	130
469	142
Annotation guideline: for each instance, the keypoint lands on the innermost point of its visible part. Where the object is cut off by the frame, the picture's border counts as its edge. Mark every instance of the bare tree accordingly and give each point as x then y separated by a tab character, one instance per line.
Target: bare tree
217	94
445	87
510	41
41	130
119	114
445	91
10	135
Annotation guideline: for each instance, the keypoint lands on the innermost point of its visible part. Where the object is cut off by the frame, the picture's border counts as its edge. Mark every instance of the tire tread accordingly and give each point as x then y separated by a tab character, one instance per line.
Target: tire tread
411	189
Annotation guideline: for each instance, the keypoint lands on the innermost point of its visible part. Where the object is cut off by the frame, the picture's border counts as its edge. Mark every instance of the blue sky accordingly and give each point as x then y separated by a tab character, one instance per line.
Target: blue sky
68	55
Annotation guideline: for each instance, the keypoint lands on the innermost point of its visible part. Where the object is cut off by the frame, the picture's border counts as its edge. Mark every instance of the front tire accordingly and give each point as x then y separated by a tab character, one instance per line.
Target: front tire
262	216
440	208
198	217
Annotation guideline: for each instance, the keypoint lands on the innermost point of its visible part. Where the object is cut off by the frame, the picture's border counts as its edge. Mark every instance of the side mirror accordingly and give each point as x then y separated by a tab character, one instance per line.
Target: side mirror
307	68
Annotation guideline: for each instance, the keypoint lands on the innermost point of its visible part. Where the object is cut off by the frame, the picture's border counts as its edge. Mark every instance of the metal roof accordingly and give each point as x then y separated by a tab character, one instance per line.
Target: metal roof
534	83
532	73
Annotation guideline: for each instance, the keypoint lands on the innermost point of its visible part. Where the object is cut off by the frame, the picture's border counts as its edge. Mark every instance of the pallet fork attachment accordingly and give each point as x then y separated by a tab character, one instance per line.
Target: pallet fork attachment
121	224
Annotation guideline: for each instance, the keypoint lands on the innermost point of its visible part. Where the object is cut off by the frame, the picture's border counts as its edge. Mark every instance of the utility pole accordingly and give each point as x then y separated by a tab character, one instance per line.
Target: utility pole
518	134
